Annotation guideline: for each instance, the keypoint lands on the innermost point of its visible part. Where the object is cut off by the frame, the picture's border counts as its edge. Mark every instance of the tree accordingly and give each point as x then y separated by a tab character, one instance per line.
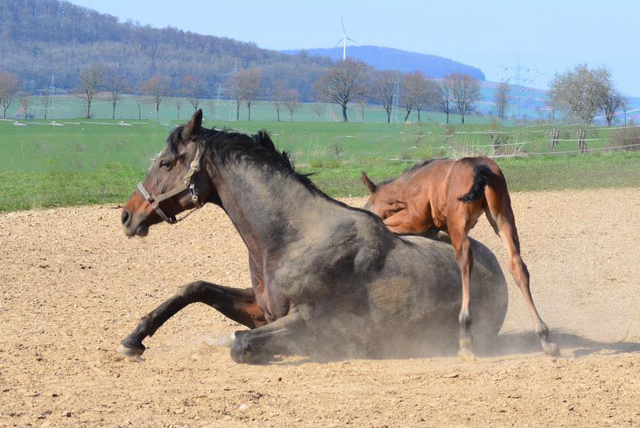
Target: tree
193	89
291	102
384	87
25	99
318	110
466	92
9	86
611	103
444	98
157	87
45	101
278	96
251	87
244	86
582	92
115	87
342	83
502	99
419	92
177	101
91	79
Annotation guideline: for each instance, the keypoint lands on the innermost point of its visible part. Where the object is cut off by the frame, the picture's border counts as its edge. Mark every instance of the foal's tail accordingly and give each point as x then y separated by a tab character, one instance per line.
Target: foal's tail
481	174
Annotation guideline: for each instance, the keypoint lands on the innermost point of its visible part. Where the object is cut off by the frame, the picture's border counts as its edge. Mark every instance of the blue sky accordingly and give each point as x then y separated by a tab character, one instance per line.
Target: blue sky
551	36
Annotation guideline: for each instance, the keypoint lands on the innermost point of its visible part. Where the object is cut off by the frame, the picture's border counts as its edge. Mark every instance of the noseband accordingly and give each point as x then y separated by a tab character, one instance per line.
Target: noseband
188	186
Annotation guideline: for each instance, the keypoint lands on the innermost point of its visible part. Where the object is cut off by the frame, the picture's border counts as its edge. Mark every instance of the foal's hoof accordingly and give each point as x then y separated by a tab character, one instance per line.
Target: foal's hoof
551	349
132	352
466	353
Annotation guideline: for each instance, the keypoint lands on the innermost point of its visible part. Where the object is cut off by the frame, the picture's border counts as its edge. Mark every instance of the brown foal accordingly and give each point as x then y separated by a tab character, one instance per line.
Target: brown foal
451	195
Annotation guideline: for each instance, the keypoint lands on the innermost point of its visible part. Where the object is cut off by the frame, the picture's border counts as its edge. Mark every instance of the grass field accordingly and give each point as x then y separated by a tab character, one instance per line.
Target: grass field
78	161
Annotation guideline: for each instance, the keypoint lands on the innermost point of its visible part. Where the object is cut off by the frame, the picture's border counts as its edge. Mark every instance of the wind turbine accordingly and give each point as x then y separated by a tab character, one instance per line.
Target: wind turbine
538	74
343	40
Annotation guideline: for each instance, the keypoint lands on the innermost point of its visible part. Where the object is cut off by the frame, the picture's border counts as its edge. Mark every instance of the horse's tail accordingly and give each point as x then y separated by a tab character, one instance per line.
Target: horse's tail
481	174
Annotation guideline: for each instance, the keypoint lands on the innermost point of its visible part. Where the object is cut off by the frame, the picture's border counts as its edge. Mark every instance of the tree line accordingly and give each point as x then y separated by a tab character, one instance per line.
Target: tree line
579	93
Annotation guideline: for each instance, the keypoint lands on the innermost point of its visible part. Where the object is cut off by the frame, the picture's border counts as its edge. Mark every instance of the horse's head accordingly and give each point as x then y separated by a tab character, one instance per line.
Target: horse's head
175	182
382	201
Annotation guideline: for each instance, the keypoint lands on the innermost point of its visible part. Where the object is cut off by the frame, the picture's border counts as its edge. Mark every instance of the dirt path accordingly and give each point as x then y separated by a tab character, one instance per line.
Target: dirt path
72	286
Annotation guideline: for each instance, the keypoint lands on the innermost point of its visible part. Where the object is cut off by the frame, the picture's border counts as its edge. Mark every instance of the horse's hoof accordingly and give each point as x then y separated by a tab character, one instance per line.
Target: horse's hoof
551	349
465	353
131	353
227	340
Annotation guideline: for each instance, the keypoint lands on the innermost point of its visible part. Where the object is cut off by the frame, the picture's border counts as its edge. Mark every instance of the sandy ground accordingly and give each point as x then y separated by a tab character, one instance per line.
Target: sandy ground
72	286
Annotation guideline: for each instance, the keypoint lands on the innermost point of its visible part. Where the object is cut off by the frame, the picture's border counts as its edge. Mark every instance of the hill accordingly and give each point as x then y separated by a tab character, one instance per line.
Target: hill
395	59
41	38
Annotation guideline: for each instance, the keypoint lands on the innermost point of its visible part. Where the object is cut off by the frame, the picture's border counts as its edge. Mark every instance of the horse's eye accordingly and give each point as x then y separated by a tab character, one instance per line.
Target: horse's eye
164	163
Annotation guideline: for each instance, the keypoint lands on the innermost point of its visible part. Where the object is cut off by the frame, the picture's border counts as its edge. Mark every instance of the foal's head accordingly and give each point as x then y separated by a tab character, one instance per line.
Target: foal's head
382	201
175	182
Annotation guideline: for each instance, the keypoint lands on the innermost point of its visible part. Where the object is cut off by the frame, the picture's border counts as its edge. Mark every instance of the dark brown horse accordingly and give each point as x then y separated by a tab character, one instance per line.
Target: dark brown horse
451	195
326	279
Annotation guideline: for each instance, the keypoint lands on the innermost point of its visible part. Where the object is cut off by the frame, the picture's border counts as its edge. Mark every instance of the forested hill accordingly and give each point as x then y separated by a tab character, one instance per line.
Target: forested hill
396	59
39	38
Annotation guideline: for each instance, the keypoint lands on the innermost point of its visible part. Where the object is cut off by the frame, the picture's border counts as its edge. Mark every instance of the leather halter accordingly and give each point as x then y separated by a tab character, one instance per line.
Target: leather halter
188	186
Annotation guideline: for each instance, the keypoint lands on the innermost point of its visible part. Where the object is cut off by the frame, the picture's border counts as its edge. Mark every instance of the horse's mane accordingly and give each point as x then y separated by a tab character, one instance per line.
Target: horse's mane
232	146
410	169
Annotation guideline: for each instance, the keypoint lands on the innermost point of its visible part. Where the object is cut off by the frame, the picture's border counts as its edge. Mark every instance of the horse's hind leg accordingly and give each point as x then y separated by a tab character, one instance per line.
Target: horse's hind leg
464	257
238	304
520	273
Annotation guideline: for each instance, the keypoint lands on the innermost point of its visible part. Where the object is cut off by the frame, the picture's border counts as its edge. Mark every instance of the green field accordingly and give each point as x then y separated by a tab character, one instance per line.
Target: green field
78	161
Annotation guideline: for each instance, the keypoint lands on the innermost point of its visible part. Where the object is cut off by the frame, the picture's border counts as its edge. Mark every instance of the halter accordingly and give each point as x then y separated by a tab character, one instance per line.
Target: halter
188	185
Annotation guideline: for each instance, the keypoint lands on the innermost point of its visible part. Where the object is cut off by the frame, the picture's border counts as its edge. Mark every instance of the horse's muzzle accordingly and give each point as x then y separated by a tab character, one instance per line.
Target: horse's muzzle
130	229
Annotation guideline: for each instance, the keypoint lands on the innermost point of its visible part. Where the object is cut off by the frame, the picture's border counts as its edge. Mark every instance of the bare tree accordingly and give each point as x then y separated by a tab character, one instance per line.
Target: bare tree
278	95
91	80
115	87
244	86
318	109
611	103
502	99
342	83
466	92
157	87
384	86
25	99
444	100
581	92
193	89
418	91
291	102
45	101
251	84
177	101
9	86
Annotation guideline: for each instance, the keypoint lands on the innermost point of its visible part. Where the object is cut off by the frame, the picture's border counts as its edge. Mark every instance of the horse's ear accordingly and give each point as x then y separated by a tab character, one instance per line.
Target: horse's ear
194	125
370	185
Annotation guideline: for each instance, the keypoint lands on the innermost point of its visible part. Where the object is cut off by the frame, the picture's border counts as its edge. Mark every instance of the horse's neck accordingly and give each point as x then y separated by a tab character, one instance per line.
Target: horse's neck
268	207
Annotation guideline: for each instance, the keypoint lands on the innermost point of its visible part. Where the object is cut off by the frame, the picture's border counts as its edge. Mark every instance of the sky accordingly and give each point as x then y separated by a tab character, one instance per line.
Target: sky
494	35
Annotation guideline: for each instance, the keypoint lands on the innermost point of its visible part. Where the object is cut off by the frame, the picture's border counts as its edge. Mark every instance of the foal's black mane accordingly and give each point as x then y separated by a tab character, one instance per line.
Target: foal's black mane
231	146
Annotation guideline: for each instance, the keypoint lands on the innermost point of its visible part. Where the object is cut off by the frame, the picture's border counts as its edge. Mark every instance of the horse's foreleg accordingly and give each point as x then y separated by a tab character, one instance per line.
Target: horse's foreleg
464	257
287	335
520	274
238	304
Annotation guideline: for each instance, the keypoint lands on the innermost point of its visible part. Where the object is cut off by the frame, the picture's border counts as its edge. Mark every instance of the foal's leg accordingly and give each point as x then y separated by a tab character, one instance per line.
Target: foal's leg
464	257
507	224
238	304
